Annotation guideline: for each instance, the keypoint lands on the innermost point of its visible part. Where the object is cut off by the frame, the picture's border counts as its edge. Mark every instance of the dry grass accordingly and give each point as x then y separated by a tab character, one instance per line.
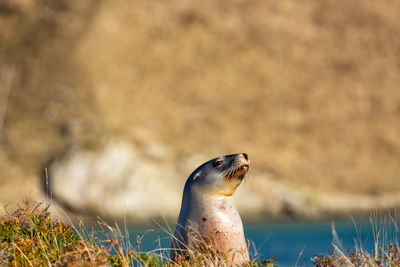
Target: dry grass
389	256
30	237
386	252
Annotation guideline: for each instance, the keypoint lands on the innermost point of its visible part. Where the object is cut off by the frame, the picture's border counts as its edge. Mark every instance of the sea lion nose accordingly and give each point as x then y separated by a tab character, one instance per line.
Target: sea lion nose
245	156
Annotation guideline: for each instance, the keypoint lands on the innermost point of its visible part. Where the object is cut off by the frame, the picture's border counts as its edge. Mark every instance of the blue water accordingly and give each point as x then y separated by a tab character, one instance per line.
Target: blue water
288	242
298	242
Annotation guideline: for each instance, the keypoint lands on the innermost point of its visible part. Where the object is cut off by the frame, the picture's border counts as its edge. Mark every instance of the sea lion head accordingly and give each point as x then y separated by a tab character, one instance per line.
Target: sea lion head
220	176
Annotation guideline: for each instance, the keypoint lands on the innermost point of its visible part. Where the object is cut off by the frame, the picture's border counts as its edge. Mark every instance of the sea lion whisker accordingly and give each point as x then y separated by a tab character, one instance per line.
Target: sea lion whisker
227	173
218	181
237	168
232	171
220	175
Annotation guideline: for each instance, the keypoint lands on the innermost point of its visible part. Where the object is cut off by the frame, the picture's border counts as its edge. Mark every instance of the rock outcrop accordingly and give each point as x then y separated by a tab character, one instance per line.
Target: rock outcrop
120	180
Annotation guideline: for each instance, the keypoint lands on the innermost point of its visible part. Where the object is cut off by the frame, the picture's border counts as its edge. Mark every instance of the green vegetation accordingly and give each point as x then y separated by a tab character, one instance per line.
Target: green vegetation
30	237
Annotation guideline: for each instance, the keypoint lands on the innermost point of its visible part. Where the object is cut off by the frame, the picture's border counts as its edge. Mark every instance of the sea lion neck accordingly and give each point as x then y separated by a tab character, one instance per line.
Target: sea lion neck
199	198
205	193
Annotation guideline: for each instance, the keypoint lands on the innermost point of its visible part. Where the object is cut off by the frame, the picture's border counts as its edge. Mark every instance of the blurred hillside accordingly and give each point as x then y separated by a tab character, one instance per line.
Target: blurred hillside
308	89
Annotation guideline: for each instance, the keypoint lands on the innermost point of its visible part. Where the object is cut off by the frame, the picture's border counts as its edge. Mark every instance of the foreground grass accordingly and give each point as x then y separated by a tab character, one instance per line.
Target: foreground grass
390	257
386	252
30	237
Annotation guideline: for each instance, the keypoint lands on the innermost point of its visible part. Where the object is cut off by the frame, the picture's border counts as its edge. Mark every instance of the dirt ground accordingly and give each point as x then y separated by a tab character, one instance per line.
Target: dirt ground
309	89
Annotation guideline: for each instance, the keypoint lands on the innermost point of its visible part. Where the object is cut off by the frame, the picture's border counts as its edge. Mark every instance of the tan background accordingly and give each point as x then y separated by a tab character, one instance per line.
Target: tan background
309	89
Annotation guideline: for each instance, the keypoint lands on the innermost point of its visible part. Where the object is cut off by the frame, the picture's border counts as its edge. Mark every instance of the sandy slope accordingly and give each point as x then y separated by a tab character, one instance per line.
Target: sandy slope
308	89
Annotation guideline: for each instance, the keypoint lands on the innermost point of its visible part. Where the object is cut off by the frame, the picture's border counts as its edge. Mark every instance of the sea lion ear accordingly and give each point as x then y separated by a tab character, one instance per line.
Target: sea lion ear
196	176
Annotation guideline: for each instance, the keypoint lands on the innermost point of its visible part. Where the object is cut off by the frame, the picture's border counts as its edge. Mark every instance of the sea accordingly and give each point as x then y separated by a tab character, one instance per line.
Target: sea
290	243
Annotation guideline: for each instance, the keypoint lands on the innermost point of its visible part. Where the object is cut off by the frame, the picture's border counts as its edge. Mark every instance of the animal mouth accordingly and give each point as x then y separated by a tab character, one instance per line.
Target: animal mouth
244	167
239	171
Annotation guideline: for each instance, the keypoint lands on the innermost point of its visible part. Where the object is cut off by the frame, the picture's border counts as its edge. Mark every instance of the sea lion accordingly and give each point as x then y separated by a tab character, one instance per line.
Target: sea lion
208	216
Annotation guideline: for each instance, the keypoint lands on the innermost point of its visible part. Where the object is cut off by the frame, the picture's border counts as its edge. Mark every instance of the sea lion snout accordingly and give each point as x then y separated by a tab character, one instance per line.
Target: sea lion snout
245	164
238	167
241	159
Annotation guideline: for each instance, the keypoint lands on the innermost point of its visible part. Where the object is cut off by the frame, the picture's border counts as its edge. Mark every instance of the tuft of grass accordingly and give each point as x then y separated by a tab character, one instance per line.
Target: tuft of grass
125	254
30	237
386	248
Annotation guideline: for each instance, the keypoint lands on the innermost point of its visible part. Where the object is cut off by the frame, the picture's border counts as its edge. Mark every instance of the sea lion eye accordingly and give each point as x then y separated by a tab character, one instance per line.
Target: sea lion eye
196	176
217	163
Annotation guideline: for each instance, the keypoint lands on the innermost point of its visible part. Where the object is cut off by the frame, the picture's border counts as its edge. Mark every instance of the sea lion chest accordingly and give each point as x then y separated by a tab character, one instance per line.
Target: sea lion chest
217	221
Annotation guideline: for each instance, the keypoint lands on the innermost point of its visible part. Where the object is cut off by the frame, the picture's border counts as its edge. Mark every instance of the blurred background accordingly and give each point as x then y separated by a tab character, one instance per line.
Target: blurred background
122	100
